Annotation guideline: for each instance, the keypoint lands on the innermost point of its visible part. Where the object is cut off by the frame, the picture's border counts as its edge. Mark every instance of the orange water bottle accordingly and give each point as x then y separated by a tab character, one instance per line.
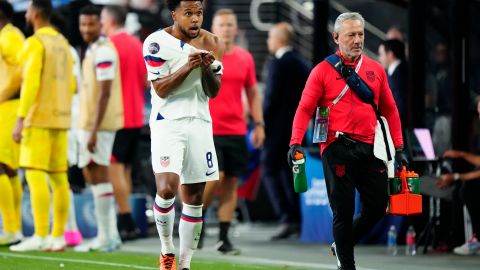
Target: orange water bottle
299	174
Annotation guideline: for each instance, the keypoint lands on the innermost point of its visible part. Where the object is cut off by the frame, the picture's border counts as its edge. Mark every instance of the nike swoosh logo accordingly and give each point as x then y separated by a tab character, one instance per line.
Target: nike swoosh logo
155	73
338	78
208	174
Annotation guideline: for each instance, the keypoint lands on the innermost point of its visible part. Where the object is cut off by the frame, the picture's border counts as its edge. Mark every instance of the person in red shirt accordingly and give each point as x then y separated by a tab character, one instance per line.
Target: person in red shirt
347	153
133	73
229	126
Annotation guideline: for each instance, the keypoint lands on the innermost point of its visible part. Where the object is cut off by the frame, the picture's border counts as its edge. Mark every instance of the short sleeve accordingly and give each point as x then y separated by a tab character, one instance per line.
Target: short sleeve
105	62
10	44
157	66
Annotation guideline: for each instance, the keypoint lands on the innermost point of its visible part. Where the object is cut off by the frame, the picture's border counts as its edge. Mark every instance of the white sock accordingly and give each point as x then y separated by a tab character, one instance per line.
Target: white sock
72	220
189	230
103	200
113	223
164	211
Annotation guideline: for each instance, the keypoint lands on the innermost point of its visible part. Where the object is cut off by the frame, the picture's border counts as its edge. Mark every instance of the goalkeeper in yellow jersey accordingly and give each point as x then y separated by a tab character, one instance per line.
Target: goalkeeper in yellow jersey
43	118
11	40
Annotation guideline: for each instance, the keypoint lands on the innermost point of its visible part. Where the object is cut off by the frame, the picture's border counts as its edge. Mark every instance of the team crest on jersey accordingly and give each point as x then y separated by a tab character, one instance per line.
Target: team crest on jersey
153	48
340	170
371	76
164	161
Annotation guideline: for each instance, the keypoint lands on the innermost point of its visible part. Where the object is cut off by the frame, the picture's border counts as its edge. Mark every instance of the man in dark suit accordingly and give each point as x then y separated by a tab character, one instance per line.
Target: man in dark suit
287	74
392	56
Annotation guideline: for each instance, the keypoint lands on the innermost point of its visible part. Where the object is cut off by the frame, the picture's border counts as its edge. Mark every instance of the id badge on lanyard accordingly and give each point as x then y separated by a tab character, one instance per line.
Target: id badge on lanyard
320	130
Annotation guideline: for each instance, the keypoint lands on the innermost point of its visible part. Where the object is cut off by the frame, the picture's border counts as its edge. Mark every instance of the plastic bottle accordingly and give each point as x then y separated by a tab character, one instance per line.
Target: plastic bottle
392	241
411	248
299	174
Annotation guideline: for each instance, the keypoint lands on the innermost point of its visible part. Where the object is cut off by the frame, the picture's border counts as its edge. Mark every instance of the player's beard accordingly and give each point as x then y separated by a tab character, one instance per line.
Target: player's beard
185	32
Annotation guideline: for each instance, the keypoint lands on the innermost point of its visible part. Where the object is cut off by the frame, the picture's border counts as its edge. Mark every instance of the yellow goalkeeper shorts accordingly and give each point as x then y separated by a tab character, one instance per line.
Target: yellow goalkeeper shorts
9	149
44	149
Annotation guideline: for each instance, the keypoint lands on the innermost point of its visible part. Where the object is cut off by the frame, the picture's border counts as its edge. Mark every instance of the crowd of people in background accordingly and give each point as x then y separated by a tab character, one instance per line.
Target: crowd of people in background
52	100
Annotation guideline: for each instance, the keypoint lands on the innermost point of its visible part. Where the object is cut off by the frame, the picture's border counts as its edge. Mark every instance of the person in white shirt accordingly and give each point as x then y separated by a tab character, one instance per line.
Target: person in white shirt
183	64
100	116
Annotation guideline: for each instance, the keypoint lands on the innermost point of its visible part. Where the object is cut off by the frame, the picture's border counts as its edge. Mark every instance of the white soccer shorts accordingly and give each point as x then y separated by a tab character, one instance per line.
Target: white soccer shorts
103	148
185	147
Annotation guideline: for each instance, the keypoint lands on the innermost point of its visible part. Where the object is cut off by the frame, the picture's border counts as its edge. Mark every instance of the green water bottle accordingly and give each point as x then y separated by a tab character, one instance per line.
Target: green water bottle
299	174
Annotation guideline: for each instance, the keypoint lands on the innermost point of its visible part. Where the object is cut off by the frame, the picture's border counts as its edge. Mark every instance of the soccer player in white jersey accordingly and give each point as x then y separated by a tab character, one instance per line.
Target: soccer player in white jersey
183	63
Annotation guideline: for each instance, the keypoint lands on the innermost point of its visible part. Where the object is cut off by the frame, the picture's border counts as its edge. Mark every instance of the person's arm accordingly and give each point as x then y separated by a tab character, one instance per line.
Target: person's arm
157	58
469	157
31	57
102	102
211	79
388	109
165	85
255	104
447	180
105	65
310	97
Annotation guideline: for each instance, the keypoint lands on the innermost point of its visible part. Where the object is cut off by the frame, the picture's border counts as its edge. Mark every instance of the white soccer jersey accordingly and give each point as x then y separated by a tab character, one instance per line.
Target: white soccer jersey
105	60
164	54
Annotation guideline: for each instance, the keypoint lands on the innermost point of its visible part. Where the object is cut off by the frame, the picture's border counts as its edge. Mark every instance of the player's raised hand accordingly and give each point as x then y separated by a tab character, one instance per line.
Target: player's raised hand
207	59
195	59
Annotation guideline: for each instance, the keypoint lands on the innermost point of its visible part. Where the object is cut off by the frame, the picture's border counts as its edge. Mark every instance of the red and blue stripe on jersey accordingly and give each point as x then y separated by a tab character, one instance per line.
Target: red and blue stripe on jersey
154	61
104	64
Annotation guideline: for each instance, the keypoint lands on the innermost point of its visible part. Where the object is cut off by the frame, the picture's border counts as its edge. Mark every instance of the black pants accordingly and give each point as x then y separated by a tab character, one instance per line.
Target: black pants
470	192
348	165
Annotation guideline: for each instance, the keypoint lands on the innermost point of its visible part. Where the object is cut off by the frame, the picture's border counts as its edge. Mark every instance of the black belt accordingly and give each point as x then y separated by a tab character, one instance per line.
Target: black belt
345	138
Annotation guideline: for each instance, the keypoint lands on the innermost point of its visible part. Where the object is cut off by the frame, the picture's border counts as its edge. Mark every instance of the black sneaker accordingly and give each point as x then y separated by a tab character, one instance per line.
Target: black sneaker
227	248
126	227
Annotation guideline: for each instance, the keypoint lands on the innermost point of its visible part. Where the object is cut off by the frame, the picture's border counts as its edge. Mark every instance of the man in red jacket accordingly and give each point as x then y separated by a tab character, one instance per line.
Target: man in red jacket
347	152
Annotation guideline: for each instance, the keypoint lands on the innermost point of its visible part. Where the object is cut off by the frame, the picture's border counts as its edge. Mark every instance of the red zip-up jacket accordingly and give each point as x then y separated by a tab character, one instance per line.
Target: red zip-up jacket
350	115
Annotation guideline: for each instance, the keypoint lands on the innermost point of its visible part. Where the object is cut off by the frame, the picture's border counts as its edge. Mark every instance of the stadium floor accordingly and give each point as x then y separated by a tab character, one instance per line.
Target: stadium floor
253	240
257	253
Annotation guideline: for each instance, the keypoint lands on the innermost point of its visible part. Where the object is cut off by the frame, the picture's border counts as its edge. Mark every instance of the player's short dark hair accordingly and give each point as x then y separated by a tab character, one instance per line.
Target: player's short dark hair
44	7
174	4
91	10
6	10
396	47
118	13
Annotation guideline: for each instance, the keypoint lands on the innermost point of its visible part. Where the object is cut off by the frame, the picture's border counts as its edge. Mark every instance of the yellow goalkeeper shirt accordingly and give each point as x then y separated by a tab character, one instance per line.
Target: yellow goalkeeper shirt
45	99
11	40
